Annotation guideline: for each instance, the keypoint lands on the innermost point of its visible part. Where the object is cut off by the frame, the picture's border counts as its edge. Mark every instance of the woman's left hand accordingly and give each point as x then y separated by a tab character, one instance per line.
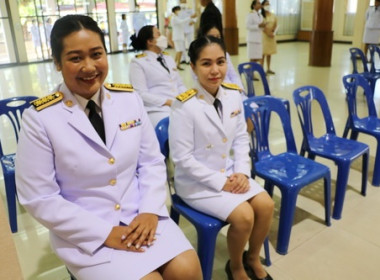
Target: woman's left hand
240	183
141	230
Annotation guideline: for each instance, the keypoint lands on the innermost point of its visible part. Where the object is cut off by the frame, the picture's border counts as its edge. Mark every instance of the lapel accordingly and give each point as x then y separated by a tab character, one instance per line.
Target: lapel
110	117
211	114
153	62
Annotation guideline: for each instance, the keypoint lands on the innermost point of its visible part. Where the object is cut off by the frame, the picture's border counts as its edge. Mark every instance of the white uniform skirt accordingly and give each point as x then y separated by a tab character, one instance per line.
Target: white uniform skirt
371	36
221	206
132	265
254	50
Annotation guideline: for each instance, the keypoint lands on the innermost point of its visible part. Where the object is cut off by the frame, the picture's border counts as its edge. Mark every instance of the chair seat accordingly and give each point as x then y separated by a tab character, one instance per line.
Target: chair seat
369	125
281	170
332	147
8	163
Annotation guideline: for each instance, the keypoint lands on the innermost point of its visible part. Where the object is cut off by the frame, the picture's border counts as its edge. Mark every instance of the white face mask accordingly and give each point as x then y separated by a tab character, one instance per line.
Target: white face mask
267	8
162	42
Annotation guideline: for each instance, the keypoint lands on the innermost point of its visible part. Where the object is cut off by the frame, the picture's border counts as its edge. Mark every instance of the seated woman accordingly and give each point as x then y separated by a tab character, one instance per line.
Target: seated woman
232	75
154	74
89	169
209	146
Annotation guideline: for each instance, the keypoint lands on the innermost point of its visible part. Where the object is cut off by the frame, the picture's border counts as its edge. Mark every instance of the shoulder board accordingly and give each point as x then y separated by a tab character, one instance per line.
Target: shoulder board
187	95
231	86
47	101
165	53
140	55
119	87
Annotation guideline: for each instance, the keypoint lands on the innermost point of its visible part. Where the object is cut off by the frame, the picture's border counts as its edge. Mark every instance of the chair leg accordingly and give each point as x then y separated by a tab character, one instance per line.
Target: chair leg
288	205
206	249
346	129
10	190
365	173
376	168
267	253
340	191
327	194
174	215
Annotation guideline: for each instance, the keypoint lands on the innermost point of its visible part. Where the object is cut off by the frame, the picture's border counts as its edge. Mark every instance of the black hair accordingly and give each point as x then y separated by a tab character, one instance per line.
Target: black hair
176	8
139	41
263	12
253	4
204	29
67	25
200	43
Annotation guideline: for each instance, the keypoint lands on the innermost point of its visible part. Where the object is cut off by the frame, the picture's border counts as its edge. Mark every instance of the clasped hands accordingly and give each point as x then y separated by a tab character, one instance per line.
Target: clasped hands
134	237
237	183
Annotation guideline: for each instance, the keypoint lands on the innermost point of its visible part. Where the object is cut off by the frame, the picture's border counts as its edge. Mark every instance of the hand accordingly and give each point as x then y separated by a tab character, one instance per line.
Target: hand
141	231
193	15
237	183
168	102
116	237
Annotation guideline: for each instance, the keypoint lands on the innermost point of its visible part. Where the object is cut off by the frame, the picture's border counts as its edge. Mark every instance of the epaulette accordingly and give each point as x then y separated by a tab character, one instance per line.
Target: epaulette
187	95
140	55
231	86
165	53
119	87
47	101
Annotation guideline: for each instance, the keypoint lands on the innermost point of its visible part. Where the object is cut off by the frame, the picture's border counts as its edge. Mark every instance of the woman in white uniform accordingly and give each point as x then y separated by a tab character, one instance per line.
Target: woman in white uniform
372	26
154	74
209	145
255	24
102	195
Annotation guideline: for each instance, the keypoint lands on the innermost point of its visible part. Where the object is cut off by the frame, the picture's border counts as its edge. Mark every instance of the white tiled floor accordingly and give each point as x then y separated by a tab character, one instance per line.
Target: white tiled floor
349	249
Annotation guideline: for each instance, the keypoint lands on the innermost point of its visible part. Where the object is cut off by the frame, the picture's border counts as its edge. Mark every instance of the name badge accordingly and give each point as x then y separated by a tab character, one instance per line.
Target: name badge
235	113
130	124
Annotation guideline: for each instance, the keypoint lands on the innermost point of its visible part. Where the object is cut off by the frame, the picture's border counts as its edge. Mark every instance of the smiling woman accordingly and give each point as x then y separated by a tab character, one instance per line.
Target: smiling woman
102	200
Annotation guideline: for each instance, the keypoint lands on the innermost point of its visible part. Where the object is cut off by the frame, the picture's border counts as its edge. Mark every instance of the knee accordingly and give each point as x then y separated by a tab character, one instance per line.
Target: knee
242	217
263	204
185	266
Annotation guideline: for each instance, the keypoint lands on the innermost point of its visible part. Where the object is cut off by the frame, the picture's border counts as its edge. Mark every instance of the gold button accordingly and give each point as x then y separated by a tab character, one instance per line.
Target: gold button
69	103
224	156
224	140
117	207
108	96
113	182
111	160
222	170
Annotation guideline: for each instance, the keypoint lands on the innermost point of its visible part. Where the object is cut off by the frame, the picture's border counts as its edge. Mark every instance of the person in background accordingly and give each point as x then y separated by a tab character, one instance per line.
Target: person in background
138	19
178	28
372	26
48	28
99	182
154	73
209	145
36	38
210	15
255	24
124	32
189	29
269	35
231	75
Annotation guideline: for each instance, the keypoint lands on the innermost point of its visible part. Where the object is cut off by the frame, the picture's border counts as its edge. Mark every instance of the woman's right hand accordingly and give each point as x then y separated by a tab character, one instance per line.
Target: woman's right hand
168	102
116	239
237	183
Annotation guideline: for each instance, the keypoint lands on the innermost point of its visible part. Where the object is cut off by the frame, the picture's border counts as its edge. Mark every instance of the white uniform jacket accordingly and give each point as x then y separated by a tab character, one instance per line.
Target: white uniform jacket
200	143
254	32
153	82
77	186
178	27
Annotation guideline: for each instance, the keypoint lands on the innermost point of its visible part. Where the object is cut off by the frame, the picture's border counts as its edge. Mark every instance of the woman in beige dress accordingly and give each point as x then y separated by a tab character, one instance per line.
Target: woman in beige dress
269	40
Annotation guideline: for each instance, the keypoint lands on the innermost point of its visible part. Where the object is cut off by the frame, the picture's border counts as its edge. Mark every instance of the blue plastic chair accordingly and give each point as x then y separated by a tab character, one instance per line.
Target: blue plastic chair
207	226
356	55
368	125
288	171
12	108
374	51
342	151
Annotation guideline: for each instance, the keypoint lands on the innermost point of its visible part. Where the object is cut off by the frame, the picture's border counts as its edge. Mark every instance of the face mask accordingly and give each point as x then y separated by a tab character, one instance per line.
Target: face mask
267	8
162	42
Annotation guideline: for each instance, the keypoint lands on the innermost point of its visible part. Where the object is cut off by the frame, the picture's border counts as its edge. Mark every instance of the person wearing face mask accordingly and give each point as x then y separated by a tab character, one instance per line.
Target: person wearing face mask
154	73
269	33
178	27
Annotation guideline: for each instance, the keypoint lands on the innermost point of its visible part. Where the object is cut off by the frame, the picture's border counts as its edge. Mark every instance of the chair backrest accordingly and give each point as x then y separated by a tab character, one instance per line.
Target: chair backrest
357	54
247	70
162	132
374	52
303	98
13	108
352	83
260	117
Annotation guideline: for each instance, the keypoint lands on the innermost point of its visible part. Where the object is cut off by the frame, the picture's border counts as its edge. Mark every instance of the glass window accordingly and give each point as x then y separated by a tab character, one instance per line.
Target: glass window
349	17
288	15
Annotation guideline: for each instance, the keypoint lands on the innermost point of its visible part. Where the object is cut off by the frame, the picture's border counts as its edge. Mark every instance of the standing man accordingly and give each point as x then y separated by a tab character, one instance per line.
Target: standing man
210	15
372	26
187	12
139	19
